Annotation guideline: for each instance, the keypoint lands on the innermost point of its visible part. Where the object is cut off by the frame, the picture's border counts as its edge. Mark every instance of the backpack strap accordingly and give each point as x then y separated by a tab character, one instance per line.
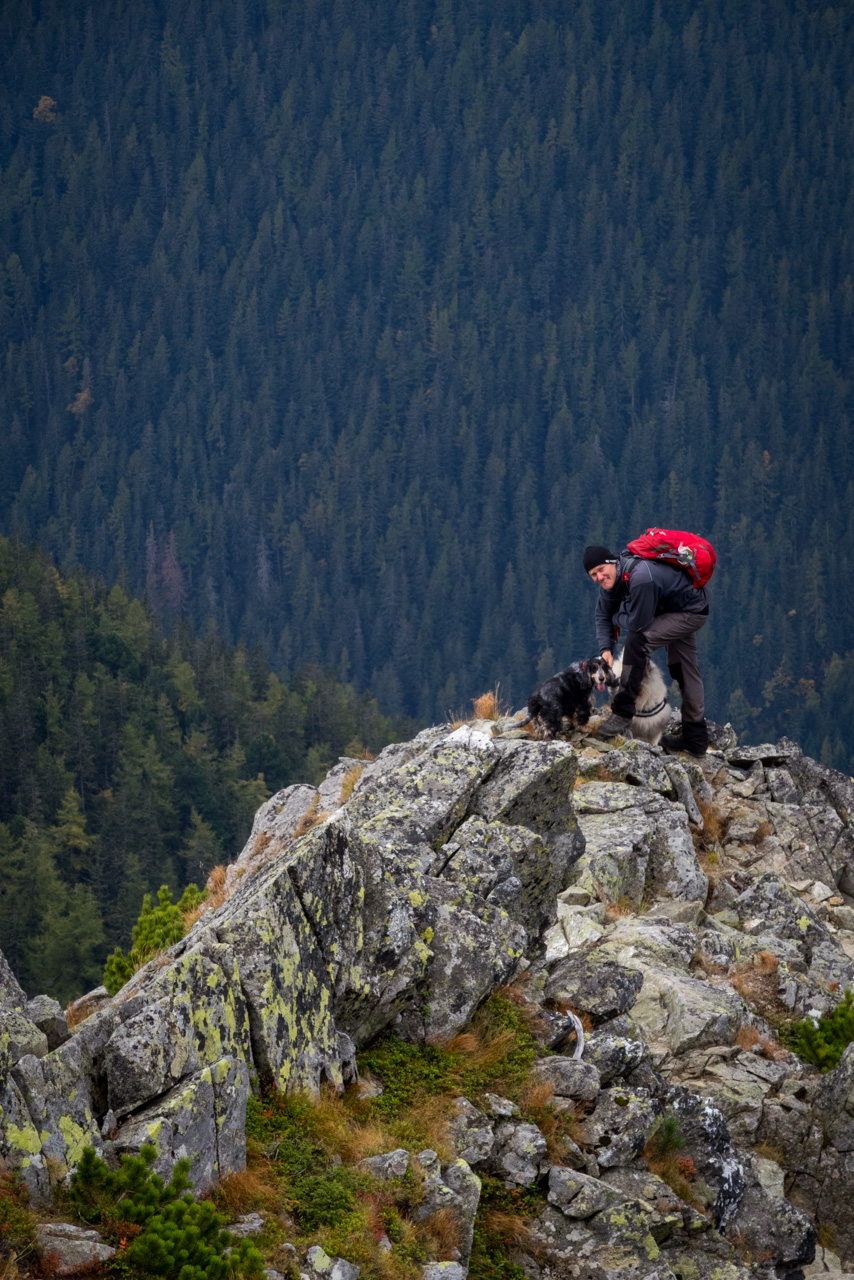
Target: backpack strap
627	564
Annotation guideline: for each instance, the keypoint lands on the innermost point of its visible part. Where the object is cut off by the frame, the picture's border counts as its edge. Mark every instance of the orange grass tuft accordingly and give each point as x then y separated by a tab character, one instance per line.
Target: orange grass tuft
442	1231
77	1011
512	1228
488	705
248	1189
312	817
216	887
746	1037
348	782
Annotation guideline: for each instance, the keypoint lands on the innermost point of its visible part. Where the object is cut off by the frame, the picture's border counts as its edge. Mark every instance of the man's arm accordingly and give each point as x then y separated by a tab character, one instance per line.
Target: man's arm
606	607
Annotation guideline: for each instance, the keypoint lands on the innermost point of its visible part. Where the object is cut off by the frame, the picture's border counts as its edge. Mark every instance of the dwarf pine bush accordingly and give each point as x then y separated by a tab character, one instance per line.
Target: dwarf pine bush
156	929
179	1238
824	1043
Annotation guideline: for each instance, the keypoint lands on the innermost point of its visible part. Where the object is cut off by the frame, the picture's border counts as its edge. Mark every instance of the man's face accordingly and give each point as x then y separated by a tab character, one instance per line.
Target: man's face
604	575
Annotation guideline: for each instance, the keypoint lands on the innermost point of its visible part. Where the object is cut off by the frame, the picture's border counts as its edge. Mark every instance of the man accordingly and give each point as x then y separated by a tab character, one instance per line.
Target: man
651	604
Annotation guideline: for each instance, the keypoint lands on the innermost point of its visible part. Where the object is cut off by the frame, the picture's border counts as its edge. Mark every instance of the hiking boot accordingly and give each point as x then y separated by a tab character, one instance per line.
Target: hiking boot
614	726
693	737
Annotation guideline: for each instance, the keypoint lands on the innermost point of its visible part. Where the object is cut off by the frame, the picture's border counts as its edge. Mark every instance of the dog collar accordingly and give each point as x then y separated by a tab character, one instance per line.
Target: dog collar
642	715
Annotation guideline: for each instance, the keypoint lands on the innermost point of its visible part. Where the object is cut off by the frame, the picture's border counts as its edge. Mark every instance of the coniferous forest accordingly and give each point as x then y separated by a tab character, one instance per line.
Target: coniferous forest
129	759
340	329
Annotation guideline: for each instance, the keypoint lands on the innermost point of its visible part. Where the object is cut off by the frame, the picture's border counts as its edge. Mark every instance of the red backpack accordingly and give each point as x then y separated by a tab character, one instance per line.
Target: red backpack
686	550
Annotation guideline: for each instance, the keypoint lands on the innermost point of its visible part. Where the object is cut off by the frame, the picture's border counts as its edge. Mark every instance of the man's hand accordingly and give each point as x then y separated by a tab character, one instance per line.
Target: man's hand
608	656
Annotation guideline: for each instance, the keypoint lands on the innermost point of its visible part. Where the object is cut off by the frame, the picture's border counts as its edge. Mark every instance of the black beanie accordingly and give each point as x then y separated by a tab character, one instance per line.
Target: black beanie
597	555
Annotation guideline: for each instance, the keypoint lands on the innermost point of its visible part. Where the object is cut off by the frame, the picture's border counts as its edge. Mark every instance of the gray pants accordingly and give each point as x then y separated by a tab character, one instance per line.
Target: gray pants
677	632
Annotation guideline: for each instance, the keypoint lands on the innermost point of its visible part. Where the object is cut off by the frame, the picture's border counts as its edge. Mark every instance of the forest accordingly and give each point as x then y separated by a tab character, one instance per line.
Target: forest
342	328
130	759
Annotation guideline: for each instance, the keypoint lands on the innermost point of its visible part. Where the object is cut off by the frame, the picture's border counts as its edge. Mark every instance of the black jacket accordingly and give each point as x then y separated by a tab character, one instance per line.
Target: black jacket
654	587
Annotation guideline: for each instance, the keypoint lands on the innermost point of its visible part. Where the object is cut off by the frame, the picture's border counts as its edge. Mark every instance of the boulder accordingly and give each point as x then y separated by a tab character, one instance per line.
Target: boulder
580	1196
519	1155
612	1056
508	865
202	1118
58	1095
452	1187
619	1126
49	1017
594	983
194	1015
471	1133
569	1078
636	844
393	1164
322	1267
770	907
21	1146
71	1249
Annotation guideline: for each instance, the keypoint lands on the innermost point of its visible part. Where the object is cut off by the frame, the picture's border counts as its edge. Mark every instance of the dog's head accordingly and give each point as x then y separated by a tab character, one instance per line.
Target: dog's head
601	675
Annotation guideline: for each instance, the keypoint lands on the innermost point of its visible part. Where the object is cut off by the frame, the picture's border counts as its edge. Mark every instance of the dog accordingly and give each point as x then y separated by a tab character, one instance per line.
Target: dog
652	710
568	696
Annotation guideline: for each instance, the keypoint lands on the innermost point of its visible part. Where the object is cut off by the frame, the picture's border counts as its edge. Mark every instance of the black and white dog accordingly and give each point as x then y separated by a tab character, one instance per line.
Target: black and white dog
568	696
652	710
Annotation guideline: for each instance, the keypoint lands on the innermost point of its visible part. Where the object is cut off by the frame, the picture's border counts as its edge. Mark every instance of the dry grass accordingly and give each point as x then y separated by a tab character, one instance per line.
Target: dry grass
481	1053
77	1011
352	1138
488	706
215	886
708	839
217	893
510	1226
312	817
676	1170
348	782
622	906
746	1037
249	1189
758	989
765	962
441	1233
762	832
557	1125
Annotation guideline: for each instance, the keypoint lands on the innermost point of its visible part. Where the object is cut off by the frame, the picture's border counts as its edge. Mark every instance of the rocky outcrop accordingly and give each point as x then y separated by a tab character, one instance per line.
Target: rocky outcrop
456	862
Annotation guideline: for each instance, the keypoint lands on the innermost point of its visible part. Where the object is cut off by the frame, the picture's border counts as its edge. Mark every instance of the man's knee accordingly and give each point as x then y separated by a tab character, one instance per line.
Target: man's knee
676	673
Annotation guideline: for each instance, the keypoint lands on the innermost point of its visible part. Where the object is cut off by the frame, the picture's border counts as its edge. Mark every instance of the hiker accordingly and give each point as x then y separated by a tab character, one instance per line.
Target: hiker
650	603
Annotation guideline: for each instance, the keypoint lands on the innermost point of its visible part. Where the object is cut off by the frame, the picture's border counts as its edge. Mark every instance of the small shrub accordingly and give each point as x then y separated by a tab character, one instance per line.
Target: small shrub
824	1043
666	1138
17	1224
157	929
178	1236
